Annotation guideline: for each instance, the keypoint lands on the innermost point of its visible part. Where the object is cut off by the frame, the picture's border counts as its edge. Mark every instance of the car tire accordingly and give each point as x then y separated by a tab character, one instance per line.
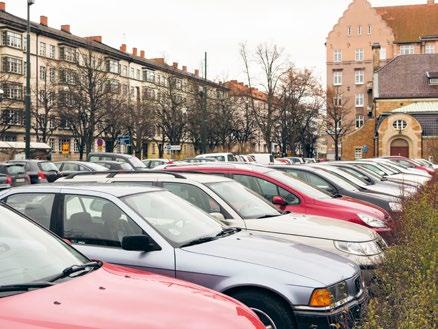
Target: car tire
271	310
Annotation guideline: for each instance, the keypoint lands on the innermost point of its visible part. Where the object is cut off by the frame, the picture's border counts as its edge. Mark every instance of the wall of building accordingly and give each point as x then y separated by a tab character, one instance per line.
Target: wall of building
358	139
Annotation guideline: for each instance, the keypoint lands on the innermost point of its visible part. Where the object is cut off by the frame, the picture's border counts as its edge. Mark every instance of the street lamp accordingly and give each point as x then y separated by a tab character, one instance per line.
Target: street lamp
27	99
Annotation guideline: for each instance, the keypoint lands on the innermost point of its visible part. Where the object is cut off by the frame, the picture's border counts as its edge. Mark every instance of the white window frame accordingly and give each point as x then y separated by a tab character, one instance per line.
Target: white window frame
337	55
408	49
360	121
359	54
359	100
337	78
43	49
13	39
43	73
13	65
358	152
52	51
429	48
382	54
113	66
359	30
359	77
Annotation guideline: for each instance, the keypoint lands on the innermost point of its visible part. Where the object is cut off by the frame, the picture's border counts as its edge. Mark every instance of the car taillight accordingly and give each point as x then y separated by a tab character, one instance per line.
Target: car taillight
42	176
9	180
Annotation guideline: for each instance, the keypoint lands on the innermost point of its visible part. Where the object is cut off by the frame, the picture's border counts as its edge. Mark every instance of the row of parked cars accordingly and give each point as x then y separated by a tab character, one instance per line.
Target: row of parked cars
230	244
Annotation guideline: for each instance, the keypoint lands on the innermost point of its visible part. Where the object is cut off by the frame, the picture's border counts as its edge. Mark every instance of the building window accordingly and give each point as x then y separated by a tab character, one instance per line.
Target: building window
338	56
43	48
76	145
337	78
113	66
400	124
52	74
52	53
67	54
359	54
359	77
124	90
67	77
407	49
349	30
430	48
43	73
337	100
383	54
124	70
13	91
359	100
359	30
359	121
114	86
12	65
52	143
178	84
132	72
12	117
12	39
149	93
358	153
138	74
370	29
62	141
149	76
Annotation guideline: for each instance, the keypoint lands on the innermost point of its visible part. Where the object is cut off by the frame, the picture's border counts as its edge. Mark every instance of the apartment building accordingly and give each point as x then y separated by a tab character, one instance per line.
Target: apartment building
51	48
361	32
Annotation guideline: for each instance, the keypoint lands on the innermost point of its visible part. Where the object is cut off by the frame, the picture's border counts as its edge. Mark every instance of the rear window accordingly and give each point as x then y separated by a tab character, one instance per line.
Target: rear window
125	166
47	166
15	170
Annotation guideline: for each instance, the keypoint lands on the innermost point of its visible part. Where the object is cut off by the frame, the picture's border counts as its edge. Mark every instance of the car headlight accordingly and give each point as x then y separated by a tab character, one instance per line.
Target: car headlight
327	297
369	248
371	220
395	206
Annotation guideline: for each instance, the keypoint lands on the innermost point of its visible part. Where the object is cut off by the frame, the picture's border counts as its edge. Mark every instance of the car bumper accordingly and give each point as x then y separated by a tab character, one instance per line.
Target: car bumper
344	317
387	234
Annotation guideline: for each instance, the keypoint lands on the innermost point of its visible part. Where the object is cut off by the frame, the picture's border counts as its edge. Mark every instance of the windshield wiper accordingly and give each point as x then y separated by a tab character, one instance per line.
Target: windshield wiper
228	231
268	216
336	195
199	241
77	268
25	286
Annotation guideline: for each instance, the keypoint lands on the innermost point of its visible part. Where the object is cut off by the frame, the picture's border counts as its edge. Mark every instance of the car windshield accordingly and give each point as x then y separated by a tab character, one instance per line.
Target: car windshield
374	168
177	220
216	157
346	177
15	170
356	173
28	253
392	168
300	186
246	203
96	167
136	162
338	177
47	166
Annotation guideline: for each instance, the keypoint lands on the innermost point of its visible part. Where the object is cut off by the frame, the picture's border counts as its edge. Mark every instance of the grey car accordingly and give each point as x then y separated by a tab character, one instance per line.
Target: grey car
288	285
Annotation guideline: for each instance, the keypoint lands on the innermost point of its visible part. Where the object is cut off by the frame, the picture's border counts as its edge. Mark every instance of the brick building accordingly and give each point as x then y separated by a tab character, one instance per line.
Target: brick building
393	31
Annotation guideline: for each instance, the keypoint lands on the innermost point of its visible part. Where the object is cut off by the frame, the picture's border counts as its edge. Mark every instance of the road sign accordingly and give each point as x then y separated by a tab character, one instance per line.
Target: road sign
100	143
66	148
365	149
124	140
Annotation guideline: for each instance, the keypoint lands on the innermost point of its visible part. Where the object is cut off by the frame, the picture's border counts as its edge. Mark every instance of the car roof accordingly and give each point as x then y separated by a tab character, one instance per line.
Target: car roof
103	154
245	166
114	190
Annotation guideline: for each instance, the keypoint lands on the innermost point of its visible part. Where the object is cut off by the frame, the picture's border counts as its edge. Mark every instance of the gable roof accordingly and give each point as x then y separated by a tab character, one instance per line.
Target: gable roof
412	22
406	77
421	107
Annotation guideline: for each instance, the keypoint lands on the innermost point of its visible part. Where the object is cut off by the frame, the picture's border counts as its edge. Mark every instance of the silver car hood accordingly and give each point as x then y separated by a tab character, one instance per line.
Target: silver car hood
312	226
268	251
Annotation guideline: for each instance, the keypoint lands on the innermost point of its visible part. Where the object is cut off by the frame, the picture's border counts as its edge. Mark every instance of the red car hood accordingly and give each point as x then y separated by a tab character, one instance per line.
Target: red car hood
357	206
114	297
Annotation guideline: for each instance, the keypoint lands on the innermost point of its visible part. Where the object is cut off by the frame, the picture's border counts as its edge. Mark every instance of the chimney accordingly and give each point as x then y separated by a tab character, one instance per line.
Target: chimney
158	60
65	28
134	51
376	56
184	68
2	6
44	20
196	73
175	65
123	47
142	53
95	38
430	2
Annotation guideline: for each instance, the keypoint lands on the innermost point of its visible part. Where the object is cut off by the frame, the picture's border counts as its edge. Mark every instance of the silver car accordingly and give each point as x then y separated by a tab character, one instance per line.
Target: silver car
288	285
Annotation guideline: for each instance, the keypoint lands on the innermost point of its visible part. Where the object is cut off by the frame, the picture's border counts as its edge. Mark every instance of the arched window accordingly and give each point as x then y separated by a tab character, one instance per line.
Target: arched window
400	124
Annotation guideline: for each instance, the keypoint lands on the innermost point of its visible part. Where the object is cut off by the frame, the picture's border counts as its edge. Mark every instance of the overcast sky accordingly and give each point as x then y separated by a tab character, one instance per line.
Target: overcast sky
181	30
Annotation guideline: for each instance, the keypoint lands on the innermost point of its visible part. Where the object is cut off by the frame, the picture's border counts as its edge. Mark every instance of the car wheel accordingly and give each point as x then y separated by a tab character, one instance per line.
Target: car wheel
271	310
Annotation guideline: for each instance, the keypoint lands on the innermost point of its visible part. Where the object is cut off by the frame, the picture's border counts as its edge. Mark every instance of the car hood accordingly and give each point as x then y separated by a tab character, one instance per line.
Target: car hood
312	226
319	266
354	205
114	297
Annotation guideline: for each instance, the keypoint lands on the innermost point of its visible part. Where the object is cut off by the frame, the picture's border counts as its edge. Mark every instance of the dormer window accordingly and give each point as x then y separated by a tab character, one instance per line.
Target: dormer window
432	78
12	39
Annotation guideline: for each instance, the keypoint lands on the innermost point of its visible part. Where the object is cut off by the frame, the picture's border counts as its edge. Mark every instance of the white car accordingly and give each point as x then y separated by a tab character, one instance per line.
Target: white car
223	157
263	158
237	206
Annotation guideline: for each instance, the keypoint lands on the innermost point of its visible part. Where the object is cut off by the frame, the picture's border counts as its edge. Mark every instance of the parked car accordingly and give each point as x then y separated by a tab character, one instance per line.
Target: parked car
133	161
290	194
283	282
13	174
262	158
331	180
297	160
310	160
115	165
152	163
245	158
39	171
223	157
45	283
419	175
410	163
237	206
71	167
199	160
426	163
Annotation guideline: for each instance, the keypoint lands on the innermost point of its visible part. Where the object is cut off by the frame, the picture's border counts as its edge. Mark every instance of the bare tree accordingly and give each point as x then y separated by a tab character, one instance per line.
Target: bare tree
11	102
44	107
89	90
269	61
338	123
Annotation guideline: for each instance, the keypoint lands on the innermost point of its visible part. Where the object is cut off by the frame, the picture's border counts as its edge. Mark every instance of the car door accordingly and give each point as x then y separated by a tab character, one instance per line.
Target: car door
96	226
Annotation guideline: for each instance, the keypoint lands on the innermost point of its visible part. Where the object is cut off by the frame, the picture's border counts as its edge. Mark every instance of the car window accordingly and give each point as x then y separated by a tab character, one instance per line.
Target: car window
15	170
125	166
47	166
320	183
68	166
96	221
249	182
34	205
194	195
230	157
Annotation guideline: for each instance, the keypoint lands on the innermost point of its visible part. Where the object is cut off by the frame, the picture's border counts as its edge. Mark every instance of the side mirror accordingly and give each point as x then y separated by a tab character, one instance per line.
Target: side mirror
139	243
219	217
279	201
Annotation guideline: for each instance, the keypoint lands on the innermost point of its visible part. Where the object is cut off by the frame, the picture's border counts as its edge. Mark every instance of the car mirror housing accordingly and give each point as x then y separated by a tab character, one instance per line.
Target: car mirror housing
218	216
139	243
278	200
